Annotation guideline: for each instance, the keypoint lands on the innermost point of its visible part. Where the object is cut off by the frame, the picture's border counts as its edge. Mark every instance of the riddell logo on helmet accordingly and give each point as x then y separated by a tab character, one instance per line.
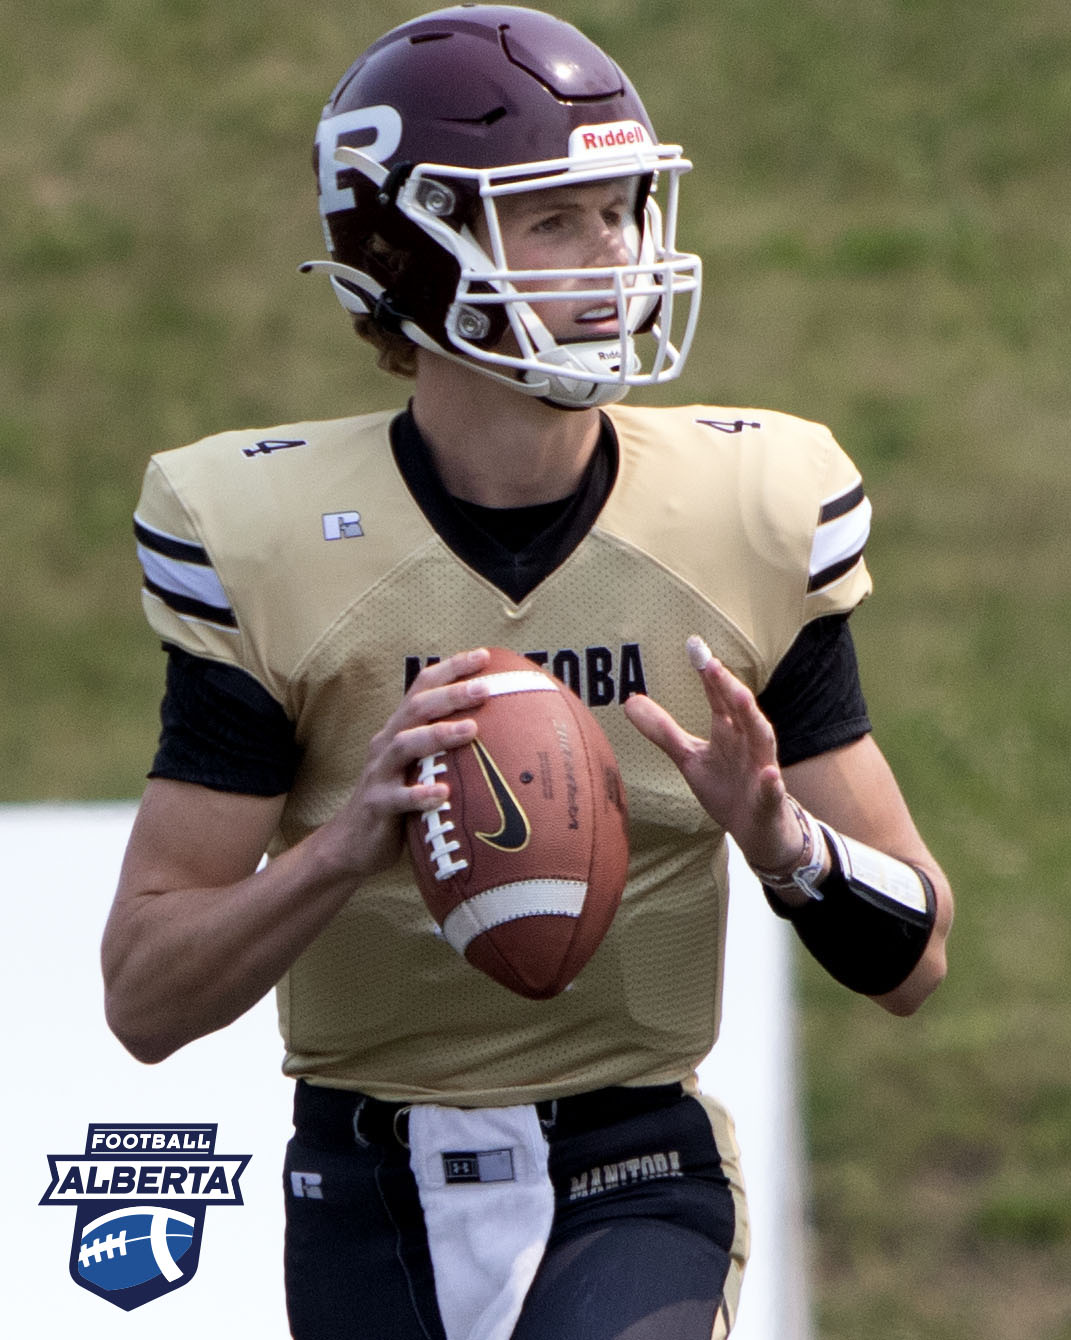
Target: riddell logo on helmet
605	138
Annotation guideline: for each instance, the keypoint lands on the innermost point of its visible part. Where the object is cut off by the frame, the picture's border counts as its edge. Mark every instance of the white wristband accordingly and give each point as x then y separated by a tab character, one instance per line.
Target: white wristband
814	859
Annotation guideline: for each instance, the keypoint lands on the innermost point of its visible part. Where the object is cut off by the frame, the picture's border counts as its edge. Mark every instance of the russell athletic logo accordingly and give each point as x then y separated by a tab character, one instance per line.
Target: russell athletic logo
140	1193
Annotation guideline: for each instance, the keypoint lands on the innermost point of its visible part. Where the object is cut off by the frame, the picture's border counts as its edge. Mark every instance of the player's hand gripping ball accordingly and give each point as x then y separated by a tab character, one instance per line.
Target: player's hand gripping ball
523	867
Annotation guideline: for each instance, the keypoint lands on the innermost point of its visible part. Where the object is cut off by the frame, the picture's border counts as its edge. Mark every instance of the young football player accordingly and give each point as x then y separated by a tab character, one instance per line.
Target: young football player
501	219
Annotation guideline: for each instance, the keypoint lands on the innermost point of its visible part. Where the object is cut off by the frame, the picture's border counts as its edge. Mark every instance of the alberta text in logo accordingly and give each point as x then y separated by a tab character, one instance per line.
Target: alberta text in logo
140	1194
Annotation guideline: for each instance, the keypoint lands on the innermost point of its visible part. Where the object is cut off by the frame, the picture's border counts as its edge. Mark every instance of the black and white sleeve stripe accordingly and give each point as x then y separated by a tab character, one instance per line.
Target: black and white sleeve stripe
839	541
181	575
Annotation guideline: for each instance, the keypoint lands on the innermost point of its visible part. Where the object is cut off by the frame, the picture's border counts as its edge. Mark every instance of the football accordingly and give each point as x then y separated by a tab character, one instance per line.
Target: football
523	867
132	1245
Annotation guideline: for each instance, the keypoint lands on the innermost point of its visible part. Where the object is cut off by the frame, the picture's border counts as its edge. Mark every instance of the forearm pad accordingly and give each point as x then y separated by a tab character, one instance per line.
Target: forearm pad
873	921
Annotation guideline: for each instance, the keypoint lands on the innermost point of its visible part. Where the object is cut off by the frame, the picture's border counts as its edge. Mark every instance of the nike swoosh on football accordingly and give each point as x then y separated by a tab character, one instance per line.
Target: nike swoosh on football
514	829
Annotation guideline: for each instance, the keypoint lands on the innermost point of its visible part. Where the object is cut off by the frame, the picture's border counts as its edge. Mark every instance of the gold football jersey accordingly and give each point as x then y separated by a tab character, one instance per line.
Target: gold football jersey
299	555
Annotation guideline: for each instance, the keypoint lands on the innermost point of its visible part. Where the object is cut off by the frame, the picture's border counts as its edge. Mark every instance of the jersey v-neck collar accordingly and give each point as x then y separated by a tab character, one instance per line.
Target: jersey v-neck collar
476	534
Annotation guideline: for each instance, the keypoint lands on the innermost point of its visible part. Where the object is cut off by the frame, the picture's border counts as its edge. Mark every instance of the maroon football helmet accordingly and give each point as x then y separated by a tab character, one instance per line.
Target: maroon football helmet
428	129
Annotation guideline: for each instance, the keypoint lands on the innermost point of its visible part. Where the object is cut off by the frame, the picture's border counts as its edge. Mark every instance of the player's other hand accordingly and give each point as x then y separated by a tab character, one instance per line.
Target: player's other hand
368	831
734	773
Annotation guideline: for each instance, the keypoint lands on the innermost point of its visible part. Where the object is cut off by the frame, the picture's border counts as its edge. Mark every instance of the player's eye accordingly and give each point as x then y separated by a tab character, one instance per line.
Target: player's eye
549	223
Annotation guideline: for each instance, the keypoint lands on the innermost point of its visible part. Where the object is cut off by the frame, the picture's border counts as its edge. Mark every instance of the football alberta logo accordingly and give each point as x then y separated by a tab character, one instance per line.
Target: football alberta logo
141	1192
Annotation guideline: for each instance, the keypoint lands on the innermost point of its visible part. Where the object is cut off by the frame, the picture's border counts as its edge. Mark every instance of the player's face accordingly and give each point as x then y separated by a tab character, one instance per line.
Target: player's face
571	227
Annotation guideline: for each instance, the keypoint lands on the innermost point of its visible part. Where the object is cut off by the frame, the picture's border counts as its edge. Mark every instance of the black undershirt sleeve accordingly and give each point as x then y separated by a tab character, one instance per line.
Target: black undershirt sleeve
222	729
814	699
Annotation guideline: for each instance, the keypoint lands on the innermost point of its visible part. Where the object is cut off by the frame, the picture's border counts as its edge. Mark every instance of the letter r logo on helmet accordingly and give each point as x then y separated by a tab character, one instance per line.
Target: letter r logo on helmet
352	128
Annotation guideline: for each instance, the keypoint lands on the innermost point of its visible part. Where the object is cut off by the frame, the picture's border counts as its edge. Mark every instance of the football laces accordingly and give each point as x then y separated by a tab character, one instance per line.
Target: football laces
438	826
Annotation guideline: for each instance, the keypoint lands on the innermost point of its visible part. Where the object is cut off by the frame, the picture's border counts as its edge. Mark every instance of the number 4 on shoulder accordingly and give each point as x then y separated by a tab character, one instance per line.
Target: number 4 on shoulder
270	444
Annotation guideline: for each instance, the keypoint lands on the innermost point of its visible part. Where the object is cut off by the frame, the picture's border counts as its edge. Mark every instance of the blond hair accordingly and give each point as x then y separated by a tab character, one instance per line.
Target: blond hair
396	353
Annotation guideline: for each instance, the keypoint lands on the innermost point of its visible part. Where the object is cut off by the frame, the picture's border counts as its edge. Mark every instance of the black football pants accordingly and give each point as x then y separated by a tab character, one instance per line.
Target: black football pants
639	1249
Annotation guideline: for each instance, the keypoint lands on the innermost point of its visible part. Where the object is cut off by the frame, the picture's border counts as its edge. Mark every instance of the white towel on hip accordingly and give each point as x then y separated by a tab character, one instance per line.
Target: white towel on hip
488	1206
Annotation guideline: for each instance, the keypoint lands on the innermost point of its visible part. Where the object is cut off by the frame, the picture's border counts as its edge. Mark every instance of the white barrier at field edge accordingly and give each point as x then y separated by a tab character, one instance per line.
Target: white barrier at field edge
65	1070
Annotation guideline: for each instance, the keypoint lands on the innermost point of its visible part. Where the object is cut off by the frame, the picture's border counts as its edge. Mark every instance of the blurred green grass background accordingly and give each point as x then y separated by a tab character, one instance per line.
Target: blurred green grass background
882	198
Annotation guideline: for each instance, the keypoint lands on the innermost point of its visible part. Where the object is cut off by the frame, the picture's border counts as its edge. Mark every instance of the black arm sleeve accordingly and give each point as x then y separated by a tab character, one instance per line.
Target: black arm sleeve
222	729
814	699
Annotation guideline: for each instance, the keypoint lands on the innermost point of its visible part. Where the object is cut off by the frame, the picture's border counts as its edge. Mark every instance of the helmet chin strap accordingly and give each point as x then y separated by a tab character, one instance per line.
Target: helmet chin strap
358	292
580	392
582	356
560	392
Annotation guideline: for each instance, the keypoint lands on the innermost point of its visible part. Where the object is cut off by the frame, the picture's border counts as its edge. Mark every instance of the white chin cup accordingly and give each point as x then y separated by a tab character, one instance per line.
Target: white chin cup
580	392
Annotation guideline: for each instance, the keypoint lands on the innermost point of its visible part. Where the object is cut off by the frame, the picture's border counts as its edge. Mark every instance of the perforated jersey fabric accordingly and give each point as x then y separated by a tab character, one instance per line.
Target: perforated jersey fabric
298	554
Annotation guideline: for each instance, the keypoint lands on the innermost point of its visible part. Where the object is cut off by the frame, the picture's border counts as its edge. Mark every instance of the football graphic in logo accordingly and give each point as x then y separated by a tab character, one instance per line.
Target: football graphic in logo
134	1245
